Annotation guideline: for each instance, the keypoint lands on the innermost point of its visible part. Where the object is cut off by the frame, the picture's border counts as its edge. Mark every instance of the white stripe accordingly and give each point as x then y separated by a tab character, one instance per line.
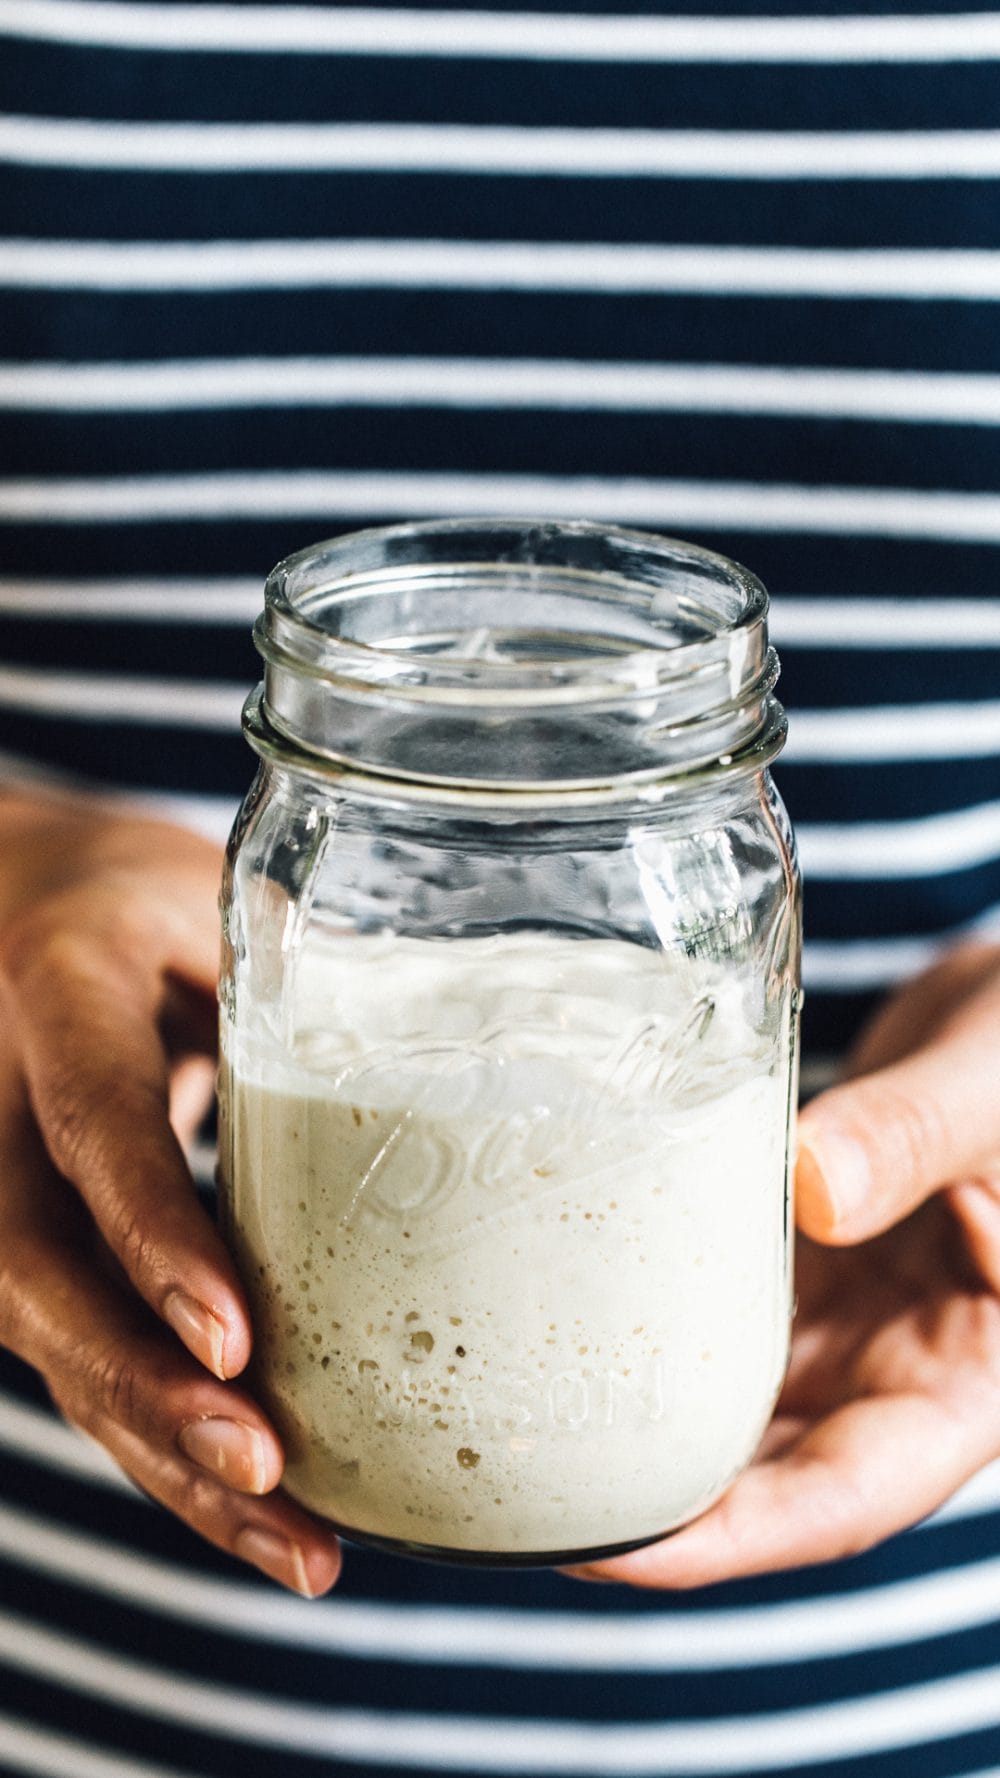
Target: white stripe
869	735
186	601
698	1641
179	384
43	1754
856	966
894	732
326	495
512	1638
212	816
159	266
500	149
177	703
905	1717
355	30
42	1438
980	1495
882	850
848	623
849	966
881	623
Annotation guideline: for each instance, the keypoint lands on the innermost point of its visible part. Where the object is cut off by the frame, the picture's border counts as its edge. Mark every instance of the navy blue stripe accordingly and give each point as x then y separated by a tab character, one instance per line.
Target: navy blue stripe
516	442
919	335
812	678
919	906
390	1687
878	790
832	1022
386	1684
149	757
832	679
196	651
130	85
790	562
875	567
98	205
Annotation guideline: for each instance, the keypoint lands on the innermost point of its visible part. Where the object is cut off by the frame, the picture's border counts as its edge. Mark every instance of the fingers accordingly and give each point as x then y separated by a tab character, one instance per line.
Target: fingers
201	1447
871	1468
108	958
105	1357
907	1020
875	1147
273	1535
85	1011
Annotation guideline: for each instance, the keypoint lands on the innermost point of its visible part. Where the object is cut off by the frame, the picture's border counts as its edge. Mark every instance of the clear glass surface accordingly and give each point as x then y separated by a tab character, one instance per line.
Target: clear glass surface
508	1028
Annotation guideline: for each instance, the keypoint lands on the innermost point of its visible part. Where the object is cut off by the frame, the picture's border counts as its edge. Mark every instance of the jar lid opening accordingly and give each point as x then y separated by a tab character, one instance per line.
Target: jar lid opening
515	653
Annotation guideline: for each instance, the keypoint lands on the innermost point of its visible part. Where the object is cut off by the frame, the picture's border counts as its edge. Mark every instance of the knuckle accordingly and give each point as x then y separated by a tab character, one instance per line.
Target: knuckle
923	1135
113	1387
201	1499
130	1240
68	1125
90	1152
82	1414
909	1135
39	941
203	1503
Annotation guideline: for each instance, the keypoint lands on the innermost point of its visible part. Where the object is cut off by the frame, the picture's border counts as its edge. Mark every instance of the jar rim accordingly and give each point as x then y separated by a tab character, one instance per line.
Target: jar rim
638	795
386	648
307	589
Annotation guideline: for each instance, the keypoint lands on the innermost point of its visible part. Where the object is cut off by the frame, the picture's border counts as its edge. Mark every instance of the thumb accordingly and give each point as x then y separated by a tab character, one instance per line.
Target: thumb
874	1148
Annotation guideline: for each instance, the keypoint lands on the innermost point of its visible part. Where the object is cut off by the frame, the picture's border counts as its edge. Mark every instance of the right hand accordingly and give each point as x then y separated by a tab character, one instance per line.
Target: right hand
114	1283
892	1399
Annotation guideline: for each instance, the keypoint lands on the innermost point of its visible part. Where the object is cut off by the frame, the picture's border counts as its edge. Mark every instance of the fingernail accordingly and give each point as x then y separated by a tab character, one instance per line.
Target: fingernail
837	1167
202	1332
276	1556
230	1450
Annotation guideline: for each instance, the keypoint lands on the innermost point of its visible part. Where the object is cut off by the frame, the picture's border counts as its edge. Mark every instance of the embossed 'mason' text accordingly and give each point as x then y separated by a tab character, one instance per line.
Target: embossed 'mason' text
575	1399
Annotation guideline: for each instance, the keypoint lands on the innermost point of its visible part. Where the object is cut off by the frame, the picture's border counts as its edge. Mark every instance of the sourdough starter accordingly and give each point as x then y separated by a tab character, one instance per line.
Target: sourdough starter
511	1212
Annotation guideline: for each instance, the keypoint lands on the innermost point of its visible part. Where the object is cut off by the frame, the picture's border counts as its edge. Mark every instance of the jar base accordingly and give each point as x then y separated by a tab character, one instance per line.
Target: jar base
458	1558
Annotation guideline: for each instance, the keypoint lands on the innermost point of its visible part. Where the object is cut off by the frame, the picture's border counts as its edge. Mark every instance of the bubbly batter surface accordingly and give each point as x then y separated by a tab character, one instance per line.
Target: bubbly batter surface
511	1212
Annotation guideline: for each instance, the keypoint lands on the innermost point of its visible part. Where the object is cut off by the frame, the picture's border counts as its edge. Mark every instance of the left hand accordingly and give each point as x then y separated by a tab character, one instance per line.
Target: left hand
892	1399
114	1283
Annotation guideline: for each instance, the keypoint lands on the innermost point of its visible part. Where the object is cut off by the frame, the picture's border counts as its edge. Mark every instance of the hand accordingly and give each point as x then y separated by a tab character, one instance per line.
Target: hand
893	1393
113	1280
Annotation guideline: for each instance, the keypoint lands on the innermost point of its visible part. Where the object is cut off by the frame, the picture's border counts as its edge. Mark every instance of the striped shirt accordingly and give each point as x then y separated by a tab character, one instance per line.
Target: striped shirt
268	272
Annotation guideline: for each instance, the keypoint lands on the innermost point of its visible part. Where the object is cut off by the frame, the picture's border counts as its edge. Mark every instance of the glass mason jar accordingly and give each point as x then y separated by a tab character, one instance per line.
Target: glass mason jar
509	1005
